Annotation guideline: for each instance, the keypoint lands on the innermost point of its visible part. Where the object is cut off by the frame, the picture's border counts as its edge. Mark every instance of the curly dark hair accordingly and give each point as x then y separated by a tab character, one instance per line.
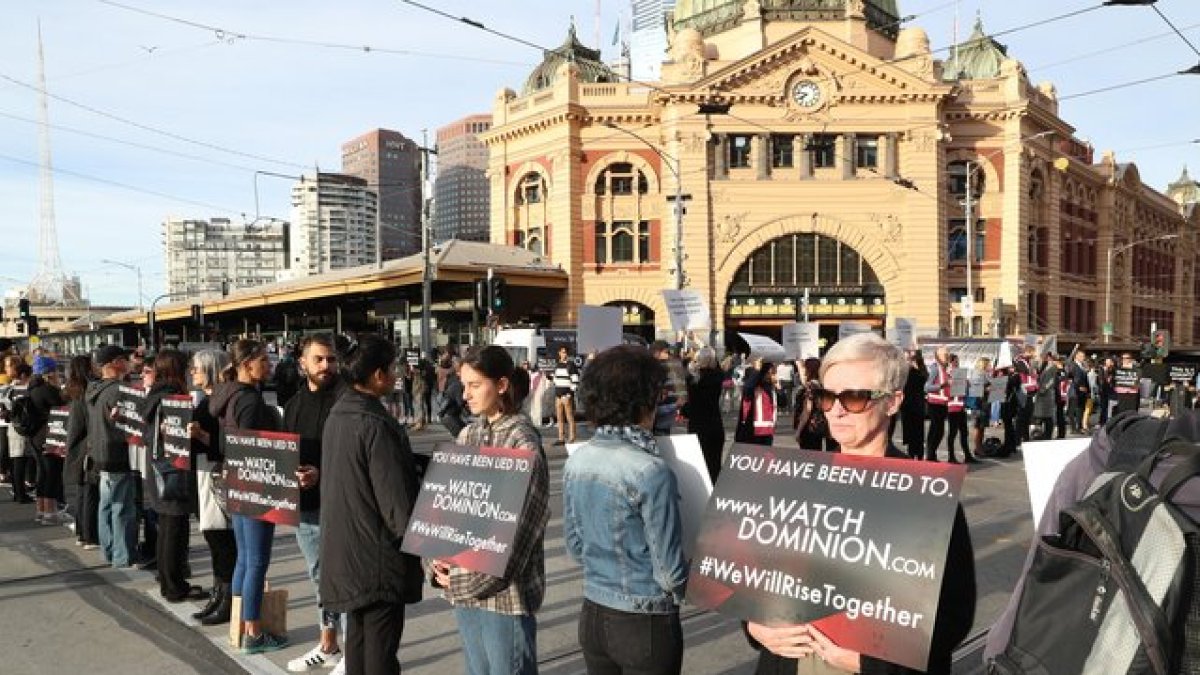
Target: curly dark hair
621	386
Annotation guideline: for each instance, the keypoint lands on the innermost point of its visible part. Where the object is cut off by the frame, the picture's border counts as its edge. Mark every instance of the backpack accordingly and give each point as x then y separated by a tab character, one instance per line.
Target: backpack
1115	590
24	417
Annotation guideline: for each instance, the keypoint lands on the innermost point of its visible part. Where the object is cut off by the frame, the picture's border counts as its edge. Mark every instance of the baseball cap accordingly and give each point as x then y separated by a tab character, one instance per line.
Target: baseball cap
44	365
109	353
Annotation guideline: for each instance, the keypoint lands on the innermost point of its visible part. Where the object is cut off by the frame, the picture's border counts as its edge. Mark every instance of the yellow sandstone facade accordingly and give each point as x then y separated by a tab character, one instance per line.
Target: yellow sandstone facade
826	151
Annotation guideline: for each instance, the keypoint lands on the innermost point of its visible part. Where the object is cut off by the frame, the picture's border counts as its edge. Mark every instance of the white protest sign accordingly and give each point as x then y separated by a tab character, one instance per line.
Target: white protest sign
848	328
904	333
683	456
1044	461
765	347
599	329
687	309
801	340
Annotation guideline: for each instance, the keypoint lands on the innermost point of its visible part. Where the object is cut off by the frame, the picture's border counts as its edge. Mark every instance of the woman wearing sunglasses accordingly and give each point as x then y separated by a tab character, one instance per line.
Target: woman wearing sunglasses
862	378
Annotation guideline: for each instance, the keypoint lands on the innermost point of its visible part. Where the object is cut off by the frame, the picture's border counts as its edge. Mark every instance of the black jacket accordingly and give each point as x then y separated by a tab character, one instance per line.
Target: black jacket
956	611
241	406
149	412
106	443
703	406
77	466
370	487
305	414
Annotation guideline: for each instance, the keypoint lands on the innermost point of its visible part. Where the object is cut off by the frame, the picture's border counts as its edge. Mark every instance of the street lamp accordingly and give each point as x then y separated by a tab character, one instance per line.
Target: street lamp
673	164
1112	252
132	268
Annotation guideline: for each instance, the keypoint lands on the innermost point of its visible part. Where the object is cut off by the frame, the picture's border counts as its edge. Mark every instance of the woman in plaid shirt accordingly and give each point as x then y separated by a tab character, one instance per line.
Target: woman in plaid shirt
496	615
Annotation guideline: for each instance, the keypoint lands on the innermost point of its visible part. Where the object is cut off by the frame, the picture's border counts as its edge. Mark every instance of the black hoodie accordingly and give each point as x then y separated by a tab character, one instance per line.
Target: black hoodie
106	443
305	414
241	406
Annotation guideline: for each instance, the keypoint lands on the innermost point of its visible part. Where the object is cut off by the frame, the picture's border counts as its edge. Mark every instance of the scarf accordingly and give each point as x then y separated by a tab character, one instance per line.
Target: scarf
635	435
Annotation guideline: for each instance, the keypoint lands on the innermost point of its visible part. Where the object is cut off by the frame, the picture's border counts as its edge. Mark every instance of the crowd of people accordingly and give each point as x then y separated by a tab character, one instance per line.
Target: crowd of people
353	405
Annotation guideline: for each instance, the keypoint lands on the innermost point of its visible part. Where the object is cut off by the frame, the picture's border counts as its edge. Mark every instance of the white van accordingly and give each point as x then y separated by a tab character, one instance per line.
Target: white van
523	344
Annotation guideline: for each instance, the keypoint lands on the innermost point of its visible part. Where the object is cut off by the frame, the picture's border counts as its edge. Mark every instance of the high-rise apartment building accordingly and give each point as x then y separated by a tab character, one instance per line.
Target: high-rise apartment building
461	189
334	223
205	255
390	164
648	39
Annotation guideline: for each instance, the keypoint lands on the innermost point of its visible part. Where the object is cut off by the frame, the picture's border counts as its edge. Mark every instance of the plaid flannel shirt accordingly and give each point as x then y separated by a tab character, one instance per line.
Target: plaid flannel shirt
521	589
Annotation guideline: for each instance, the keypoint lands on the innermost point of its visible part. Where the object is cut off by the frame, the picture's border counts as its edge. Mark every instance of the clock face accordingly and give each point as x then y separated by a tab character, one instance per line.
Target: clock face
806	93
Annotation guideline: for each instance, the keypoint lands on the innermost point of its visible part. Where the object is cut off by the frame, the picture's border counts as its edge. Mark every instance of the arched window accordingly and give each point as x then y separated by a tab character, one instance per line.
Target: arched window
622	241
956	248
531	189
621	178
956	178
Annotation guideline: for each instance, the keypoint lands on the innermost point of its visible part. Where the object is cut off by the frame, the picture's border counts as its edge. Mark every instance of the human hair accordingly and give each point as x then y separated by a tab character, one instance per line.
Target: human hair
518	386
495	363
79	373
24	369
212	362
239	353
812	369
170	367
885	358
366	357
983	364
705	358
323	339
621	386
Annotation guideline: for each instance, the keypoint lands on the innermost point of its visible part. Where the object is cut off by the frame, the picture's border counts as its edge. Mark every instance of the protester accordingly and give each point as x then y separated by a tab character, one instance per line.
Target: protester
1046	401
566	381
1026	369
979	405
756	422
420	417
912	408
937	400
956	417
287	377
108	447
621	522
238	404
703	408
862	378
44	395
451	411
369	479
496	616
80	465
674	393
215	524
20	453
305	415
1079	394
169	495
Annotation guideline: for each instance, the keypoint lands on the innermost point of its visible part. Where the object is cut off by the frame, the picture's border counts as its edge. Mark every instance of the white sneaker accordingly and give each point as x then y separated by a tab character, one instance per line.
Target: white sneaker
340	668
313	658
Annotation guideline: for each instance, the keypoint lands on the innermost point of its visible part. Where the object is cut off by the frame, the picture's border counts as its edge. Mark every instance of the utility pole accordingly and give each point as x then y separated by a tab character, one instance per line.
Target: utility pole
426	281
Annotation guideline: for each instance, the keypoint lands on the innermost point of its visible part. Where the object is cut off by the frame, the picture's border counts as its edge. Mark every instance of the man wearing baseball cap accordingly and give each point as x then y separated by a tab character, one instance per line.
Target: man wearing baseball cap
108	447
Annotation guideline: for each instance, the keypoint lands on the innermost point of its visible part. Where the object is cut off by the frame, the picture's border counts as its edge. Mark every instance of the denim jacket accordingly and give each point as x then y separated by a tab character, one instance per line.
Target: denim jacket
621	522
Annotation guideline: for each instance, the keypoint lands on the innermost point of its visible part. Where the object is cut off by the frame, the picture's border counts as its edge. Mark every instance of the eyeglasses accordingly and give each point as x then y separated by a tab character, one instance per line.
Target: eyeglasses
853	400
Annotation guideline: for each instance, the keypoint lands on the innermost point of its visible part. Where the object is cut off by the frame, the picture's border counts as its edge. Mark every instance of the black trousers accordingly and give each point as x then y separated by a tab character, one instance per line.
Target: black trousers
20	467
937	430
1024	418
958	428
50	477
1008	415
87	513
222	546
625	643
172	553
373	638
913	421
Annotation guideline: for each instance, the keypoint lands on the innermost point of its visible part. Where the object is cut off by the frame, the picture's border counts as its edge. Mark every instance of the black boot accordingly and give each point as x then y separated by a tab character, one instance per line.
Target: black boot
220	613
214	598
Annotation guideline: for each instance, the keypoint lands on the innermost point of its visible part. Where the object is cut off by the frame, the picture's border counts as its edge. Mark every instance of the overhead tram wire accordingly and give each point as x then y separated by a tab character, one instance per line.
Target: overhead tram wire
228	35
1106	50
1177	31
1115	87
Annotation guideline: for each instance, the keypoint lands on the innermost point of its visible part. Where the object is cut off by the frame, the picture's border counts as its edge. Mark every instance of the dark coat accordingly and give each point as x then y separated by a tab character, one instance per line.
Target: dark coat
305	414
79	468
1045	404
149	412
369	487
241	406
106	443
703	412
956	611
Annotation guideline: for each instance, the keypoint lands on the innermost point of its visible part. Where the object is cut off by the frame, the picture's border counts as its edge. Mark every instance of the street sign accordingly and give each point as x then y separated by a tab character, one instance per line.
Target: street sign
968	307
1108	329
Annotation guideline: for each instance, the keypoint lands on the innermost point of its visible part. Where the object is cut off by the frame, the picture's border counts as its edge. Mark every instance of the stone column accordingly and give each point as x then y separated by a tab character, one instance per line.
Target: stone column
803	156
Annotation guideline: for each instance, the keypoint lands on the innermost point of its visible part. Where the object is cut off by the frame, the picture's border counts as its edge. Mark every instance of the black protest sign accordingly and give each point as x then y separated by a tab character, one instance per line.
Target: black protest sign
56	431
260	472
559	338
470	505
1183	374
412	356
856	544
1126	379
174	415
128	416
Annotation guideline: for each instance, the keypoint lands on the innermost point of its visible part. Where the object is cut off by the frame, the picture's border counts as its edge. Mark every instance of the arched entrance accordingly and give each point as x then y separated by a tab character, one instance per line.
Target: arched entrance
768	289
636	318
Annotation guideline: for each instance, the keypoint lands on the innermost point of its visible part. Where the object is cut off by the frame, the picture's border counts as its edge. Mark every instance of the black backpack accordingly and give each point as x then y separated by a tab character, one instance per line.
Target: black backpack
1115	591
24	416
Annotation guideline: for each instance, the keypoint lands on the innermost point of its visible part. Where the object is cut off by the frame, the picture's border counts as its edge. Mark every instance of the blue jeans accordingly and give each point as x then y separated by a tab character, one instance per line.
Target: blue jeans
497	644
254	538
308	538
118	517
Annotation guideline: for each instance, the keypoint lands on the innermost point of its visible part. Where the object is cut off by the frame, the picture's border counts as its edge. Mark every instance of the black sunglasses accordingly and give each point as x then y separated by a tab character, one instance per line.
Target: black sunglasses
853	400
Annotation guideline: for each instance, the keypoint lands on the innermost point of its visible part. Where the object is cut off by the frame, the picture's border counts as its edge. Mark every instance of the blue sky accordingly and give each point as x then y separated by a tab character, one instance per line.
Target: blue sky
288	107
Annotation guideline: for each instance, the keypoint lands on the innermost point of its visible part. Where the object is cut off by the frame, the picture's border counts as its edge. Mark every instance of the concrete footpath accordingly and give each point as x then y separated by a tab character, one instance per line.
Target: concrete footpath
63	611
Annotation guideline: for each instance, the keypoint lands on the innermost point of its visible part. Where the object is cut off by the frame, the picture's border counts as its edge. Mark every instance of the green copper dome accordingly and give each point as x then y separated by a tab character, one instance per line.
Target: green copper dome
979	58
714	16
591	69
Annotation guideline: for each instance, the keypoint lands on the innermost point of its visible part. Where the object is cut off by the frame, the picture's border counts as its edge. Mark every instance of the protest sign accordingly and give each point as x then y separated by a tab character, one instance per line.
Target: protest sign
1044	461
128	417
848	328
1126	378
801	340
260	472
958	387
862	553
764	347
174	414
470	505
904	333
683	456
997	389
412	356
1182	374
687	309
56	432
599	328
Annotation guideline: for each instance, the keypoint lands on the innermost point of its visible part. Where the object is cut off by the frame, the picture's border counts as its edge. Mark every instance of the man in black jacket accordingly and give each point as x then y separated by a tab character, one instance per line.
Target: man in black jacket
108	447
370	485
305	414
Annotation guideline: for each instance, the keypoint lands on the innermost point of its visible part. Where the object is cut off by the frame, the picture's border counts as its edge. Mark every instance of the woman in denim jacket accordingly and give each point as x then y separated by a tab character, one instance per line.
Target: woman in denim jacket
621	522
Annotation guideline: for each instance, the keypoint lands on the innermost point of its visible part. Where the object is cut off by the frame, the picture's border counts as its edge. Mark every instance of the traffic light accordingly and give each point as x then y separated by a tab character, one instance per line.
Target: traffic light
496	299
198	315
31	324
21	328
23	308
481	296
